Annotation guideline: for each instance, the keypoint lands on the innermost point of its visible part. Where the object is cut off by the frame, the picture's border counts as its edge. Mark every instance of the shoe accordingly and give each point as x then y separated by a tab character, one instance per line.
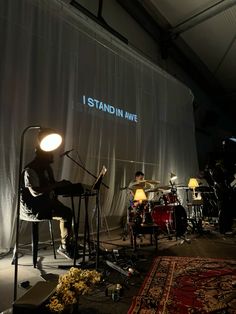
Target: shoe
63	252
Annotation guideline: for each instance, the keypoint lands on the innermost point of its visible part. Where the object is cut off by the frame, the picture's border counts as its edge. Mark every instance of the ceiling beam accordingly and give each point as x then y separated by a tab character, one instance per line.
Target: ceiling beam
98	19
202	16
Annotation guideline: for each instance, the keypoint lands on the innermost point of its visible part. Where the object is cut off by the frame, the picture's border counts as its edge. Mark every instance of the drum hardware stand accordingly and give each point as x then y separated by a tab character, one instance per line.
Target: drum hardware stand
189	220
168	230
170	236
125	224
181	237
176	231
196	220
198	217
184	239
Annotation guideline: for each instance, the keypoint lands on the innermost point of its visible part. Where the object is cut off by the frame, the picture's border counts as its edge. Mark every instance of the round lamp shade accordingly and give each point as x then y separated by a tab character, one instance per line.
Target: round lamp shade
49	140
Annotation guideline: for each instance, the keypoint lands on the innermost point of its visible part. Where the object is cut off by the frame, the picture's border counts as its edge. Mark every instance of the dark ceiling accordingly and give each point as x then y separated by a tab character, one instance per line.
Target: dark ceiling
200	35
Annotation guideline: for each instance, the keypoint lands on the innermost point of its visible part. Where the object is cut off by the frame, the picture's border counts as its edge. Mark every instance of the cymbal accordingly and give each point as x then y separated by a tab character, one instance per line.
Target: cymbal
152	181
164	187
125	188
152	190
182	187
141	185
159	188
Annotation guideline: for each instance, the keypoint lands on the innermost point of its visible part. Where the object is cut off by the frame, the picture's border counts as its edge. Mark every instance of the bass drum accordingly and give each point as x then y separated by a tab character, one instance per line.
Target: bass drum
163	216
170	219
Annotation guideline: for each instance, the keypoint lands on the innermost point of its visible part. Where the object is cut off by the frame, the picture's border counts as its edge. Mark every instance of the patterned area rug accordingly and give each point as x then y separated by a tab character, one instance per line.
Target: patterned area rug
184	285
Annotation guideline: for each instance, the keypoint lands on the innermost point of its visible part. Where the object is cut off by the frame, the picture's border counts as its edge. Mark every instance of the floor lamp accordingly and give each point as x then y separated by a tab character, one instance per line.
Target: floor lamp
48	140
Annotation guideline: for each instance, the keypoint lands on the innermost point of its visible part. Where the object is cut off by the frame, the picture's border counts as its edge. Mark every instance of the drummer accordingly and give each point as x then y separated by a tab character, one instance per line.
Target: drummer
139	176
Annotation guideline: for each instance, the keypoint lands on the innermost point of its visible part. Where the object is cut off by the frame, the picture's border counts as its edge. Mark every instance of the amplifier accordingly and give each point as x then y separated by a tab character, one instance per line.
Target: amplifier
34	300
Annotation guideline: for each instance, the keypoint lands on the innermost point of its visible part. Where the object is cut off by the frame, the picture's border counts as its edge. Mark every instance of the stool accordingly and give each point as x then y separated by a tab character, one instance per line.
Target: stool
35	238
135	230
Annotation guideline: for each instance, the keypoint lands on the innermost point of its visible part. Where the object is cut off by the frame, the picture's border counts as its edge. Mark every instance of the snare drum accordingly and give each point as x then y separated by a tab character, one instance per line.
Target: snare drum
170	198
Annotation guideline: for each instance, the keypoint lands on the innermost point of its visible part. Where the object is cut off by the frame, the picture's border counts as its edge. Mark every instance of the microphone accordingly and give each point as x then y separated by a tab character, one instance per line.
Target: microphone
66	152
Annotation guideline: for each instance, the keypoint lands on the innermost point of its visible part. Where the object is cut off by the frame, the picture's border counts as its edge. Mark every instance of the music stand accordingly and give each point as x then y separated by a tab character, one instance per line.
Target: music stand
96	185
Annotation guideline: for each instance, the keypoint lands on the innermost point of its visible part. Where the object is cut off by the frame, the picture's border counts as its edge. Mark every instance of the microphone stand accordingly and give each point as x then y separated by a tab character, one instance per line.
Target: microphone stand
97	209
82	167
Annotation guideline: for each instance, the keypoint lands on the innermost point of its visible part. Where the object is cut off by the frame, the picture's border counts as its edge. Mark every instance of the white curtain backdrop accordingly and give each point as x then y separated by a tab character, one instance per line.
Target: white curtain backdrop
59	70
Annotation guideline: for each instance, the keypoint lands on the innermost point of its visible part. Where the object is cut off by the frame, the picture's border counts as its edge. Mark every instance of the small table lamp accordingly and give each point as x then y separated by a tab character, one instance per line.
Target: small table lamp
193	184
140	196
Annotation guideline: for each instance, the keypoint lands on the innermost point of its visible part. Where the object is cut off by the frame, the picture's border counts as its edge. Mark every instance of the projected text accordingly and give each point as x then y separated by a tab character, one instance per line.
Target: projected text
109	109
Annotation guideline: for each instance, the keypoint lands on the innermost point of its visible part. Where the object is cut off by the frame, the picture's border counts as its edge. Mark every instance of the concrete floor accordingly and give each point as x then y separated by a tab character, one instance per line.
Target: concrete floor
207	244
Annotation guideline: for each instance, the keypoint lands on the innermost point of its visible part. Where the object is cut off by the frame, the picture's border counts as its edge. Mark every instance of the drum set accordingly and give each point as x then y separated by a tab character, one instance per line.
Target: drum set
162	207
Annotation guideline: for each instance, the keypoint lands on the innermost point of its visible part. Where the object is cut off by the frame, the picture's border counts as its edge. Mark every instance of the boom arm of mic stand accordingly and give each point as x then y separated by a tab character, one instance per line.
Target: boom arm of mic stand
82	167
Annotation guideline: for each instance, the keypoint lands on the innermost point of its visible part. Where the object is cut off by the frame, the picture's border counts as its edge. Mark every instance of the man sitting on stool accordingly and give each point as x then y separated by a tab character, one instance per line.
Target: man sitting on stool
38	198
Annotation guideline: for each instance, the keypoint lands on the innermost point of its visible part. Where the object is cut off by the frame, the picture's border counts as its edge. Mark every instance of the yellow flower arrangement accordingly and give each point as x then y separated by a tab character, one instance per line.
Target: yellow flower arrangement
70	286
